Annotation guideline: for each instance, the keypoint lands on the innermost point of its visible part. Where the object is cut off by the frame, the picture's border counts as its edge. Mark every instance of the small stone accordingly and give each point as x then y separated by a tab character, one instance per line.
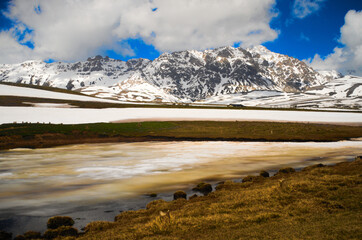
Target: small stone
264	174
204	188
153	195
59	221
179	194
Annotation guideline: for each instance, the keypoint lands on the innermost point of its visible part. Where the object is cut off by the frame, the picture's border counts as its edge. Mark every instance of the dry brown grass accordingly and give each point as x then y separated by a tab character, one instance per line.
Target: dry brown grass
319	203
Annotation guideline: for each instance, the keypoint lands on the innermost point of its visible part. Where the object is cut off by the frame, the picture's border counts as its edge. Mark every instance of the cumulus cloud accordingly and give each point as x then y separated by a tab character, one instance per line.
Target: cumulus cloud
178	25
11	50
67	30
303	8
347	59
75	29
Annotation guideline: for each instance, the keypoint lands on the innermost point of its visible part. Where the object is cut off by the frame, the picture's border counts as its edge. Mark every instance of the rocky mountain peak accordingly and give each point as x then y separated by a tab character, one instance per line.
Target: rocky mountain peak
259	49
184	75
96	58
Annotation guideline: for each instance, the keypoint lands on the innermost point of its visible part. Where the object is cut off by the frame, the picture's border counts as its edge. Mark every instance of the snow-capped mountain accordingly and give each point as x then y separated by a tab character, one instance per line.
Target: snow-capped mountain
174	77
97	71
198	75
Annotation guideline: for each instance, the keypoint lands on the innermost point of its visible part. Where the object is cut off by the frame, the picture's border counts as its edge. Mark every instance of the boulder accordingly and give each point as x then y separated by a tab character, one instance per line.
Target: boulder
179	194
264	174
59	221
204	188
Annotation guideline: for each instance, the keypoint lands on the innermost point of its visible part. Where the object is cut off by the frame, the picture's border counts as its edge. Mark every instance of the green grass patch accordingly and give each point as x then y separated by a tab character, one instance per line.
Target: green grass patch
21	135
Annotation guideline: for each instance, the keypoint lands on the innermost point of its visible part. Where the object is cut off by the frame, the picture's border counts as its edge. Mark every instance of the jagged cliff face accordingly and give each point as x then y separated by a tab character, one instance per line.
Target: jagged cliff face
201	74
179	76
227	70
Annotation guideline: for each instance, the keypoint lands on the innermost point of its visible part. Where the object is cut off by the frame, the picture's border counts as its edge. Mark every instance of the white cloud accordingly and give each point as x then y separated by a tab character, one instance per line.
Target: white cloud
303	8
333	61
188	24
76	29
68	30
11	50
347	59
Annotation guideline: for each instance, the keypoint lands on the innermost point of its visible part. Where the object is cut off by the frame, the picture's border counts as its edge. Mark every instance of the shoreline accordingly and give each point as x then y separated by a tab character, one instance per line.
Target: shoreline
64	142
135	120
58	143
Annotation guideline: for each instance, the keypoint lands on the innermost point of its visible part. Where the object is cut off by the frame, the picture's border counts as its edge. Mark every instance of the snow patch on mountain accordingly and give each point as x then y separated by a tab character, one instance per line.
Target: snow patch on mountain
134	89
174	77
6	90
342	93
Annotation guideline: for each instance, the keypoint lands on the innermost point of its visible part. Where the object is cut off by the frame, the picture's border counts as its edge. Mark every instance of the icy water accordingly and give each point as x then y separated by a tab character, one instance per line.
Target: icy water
96	181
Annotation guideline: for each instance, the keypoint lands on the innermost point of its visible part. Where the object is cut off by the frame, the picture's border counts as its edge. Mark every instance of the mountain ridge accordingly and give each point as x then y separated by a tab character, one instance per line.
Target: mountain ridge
183	76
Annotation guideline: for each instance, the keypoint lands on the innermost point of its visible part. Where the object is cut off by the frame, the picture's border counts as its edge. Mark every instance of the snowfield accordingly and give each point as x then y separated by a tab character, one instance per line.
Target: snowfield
6	90
79	115
62	113
343	93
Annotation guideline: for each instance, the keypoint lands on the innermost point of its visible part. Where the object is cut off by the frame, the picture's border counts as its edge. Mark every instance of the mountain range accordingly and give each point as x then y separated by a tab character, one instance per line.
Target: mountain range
185	76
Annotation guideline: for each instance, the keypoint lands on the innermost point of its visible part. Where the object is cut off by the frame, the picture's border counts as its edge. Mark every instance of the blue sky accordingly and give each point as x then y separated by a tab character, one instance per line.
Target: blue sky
309	30
321	29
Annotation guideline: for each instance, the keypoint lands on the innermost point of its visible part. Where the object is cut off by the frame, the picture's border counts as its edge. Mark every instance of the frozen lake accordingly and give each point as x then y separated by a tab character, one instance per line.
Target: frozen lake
96	181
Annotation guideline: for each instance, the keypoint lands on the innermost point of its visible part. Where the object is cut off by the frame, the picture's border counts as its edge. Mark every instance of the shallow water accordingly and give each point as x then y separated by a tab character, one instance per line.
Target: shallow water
44	182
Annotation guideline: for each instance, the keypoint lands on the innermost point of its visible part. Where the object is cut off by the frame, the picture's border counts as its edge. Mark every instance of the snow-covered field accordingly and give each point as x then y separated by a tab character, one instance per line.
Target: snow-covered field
81	115
6	90
61	113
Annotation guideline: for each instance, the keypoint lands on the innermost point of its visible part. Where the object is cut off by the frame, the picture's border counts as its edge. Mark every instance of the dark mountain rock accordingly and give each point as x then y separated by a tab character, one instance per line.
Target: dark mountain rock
188	75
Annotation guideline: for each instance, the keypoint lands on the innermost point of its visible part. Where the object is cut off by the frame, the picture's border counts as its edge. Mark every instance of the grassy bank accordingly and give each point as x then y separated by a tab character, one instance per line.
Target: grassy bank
47	135
319	202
